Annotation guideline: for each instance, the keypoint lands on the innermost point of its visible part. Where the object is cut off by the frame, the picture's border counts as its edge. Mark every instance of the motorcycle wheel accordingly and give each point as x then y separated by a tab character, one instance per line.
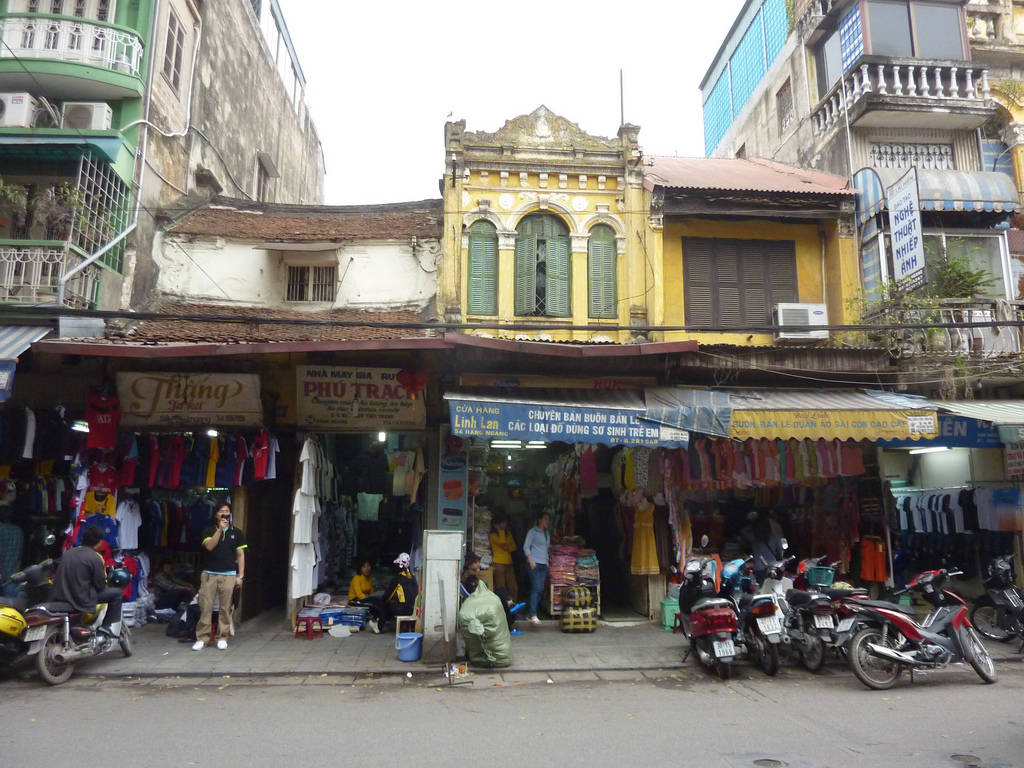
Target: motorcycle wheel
52	672
985	619
872	671
125	640
768	656
812	655
724	669
977	654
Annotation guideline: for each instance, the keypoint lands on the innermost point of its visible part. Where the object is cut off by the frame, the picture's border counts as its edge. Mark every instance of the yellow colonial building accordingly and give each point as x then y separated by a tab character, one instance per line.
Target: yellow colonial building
553	234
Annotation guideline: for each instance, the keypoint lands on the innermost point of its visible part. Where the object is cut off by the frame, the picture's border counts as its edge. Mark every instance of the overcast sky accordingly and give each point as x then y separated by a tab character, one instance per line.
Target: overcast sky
382	77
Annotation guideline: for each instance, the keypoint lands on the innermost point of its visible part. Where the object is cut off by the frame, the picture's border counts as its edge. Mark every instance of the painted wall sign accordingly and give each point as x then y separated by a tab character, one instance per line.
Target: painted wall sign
904	206
189	399
560	423
333	398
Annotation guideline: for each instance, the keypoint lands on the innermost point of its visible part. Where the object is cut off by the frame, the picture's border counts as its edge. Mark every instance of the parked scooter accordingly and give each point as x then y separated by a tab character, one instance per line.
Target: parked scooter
709	621
58	637
36	581
811	621
999	613
894	639
761	613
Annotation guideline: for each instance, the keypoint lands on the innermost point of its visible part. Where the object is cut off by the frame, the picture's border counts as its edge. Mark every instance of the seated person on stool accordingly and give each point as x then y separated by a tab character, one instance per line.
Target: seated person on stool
399	597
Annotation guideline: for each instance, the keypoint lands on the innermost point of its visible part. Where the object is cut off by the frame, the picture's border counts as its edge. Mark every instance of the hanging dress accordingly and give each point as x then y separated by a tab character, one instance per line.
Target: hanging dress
645	549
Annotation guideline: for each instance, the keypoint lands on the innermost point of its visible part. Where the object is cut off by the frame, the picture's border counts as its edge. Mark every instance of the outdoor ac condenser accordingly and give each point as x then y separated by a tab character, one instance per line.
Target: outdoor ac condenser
86	115
808	315
16	110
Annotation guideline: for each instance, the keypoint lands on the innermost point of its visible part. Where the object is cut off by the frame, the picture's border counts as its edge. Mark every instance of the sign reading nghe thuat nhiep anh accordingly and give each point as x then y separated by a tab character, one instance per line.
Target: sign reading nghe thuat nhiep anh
904	204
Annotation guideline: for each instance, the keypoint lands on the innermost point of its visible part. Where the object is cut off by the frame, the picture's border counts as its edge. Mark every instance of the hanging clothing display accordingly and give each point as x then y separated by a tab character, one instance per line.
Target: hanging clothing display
644	561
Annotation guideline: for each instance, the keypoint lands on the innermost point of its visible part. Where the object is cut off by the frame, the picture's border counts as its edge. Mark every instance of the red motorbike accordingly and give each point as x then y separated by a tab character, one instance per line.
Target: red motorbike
709	621
892	639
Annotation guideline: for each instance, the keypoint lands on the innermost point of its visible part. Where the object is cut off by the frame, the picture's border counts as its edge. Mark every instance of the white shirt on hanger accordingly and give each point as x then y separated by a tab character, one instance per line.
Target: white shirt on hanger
129	519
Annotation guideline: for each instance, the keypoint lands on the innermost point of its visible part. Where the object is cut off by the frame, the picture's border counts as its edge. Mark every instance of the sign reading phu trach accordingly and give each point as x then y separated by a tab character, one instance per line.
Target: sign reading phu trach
904	205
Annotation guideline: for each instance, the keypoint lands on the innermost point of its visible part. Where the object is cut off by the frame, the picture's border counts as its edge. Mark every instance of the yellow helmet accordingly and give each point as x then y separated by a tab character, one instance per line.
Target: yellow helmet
11	622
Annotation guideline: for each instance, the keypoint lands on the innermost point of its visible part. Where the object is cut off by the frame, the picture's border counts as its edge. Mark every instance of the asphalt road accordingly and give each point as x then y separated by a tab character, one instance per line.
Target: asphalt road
670	718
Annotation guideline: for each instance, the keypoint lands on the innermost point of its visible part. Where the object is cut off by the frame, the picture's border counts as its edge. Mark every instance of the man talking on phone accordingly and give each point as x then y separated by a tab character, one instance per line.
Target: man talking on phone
223	570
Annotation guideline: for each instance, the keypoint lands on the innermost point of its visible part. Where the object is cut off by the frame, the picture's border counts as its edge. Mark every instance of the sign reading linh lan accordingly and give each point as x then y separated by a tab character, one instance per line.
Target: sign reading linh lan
189	399
338	399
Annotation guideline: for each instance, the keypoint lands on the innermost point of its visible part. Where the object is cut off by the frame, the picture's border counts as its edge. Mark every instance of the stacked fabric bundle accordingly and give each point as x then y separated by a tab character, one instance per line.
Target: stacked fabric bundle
588	571
562	565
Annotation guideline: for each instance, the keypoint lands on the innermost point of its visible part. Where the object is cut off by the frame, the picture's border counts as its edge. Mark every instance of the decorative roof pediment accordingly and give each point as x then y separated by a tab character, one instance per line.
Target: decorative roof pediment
542	128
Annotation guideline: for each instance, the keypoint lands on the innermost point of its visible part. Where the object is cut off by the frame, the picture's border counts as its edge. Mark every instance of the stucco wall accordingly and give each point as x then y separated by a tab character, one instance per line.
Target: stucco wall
371	275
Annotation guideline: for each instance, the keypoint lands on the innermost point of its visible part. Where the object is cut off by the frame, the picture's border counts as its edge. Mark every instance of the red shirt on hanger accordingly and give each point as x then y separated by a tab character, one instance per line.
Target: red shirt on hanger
103	478
103	414
261	454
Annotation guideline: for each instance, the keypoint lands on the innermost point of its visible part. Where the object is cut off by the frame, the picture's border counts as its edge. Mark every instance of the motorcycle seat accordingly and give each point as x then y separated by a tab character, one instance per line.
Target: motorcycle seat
798	597
56	608
17	603
746	600
885	604
839	594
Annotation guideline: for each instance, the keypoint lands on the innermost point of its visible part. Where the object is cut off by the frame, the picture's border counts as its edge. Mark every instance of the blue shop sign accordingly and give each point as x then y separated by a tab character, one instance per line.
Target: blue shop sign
954	432
553	422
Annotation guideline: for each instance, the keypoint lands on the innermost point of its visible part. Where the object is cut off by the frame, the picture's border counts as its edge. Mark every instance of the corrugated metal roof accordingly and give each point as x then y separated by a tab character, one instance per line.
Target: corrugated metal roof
740	175
617	399
998	412
15	339
825	400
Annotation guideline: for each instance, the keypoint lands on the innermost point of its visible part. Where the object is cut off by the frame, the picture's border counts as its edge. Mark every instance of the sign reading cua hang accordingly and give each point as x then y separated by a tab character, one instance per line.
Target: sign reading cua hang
189	399
343	399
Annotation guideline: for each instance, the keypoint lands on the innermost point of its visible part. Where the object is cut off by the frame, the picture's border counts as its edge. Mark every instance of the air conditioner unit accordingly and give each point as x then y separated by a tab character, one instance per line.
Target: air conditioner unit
86	115
808	315
16	110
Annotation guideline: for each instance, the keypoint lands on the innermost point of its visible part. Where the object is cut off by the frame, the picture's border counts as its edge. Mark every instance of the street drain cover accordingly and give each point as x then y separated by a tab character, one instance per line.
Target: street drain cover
966	759
767	762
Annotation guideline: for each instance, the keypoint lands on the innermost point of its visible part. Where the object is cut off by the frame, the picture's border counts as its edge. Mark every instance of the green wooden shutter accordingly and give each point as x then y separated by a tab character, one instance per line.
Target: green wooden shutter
483	274
526	274
602	276
559	278
698	279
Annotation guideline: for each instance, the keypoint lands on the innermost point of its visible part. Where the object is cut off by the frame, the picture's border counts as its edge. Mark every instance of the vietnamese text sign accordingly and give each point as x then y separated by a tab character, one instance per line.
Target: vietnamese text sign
955	432
905	231
340	399
560	423
856	425
189	399
1014	459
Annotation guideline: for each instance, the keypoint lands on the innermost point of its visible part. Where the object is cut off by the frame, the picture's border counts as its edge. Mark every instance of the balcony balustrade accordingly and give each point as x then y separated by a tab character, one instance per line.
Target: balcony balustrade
977	343
78	41
30	273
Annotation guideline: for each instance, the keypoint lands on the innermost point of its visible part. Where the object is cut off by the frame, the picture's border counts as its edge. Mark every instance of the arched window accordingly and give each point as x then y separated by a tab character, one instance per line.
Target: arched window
602	266
543	268
52	37
28	36
483	268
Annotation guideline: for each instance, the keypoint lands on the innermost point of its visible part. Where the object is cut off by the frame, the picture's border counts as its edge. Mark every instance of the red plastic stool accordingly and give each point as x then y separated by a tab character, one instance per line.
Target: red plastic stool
308	626
677	623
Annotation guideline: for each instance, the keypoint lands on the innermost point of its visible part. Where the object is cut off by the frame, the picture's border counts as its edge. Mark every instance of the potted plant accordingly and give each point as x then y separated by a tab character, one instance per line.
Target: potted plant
13	205
56	209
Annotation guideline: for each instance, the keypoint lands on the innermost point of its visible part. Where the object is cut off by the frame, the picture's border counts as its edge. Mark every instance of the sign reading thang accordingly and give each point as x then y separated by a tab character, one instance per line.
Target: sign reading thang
904	205
333	398
189	399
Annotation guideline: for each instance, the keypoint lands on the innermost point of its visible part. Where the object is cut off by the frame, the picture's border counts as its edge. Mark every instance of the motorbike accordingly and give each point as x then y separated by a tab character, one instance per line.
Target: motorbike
36	582
893	639
59	637
999	613
709	621
812	622
760	610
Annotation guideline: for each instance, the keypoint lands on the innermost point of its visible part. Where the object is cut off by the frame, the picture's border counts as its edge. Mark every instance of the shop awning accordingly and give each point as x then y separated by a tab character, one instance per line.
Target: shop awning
14	340
60	147
608	417
940	190
708	411
842	414
1006	415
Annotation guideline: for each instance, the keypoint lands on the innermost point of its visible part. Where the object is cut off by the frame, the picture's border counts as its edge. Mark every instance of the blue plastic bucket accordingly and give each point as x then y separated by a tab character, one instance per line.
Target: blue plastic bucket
409	645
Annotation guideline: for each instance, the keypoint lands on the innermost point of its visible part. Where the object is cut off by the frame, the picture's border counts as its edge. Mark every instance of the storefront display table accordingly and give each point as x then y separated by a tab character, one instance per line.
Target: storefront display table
308	627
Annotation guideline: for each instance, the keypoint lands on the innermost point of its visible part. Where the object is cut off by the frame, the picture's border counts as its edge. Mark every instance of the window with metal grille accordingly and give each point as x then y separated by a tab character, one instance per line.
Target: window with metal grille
103	10
80	8
309	283
543	267
174	51
784	106
57	7
735	283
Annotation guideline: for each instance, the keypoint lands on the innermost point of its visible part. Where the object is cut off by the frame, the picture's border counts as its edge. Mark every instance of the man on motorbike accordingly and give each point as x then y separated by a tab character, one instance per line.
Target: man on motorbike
81	581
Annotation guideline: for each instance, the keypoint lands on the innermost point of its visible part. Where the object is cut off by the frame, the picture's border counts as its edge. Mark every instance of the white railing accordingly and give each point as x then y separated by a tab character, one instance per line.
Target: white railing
83	42
958	341
30	274
904	80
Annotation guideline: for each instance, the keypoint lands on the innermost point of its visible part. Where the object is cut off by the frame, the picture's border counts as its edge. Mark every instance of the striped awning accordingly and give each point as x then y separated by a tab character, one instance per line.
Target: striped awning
14	340
940	190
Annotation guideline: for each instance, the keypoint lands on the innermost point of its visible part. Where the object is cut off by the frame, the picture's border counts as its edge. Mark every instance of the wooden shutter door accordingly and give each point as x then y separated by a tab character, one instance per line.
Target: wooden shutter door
727	289
698	276
754	283
526	274
602	277
483	270
780	256
559	278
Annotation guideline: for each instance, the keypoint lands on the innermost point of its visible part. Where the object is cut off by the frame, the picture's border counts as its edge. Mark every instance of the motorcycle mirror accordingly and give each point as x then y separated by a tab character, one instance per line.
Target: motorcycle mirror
704	540
785	545
50	540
